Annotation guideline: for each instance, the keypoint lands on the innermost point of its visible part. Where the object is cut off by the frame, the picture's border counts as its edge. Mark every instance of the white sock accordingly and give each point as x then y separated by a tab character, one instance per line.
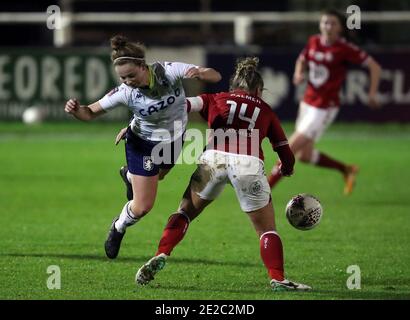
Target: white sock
129	176
126	218
315	156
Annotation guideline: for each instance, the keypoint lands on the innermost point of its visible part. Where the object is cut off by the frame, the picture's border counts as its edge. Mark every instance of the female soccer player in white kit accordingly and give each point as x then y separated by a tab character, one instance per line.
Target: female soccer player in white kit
156	97
240	120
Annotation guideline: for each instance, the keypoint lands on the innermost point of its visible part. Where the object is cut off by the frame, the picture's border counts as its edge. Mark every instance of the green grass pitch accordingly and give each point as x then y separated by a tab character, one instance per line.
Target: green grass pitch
60	189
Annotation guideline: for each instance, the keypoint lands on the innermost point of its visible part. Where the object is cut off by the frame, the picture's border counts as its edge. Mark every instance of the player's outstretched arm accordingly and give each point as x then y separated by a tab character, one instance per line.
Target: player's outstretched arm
204	74
85	113
375	71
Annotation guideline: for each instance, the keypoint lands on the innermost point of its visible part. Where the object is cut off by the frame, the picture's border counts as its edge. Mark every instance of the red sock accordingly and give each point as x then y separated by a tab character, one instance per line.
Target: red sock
327	162
274	177
173	233
272	254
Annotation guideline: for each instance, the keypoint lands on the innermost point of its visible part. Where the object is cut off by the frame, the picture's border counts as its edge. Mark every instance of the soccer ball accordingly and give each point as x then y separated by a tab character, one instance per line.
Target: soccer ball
34	115
304	211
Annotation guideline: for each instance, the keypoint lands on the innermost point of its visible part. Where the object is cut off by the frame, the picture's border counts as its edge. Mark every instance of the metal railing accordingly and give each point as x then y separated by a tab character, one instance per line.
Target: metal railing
242	21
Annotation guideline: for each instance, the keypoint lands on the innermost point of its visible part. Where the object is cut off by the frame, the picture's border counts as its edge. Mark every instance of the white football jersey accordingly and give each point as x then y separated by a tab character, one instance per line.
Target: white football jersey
159	112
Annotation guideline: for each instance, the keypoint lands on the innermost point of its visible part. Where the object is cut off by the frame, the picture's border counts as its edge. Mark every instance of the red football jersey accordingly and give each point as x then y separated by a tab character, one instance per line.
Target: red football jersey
244	119
327	69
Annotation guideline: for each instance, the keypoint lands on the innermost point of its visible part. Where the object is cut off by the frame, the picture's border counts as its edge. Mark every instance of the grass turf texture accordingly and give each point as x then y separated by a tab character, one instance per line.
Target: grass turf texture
60	189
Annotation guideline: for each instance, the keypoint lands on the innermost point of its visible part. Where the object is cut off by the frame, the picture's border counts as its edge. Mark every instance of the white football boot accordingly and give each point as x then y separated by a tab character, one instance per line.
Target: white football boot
286	285
147	272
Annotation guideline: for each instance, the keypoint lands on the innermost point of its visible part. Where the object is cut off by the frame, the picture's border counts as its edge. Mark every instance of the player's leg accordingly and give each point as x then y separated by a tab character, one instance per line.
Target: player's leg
124	169
271	249
126	178
310	155
253	192
145	190
313	156
320	159
143	175
131	148
322	120
190	207
310	126
192	204
202	190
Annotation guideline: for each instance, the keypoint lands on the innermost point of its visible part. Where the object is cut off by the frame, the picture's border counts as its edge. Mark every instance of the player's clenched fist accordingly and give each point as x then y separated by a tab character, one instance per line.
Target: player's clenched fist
192	73
285	171
72	106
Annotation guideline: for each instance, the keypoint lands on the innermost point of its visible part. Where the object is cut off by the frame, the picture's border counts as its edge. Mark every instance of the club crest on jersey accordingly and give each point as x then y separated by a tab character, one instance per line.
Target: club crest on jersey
147	163
255	188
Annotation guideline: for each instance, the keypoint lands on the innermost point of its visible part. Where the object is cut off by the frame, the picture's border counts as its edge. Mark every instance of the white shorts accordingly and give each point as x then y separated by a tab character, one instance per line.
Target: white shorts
312	122
245	173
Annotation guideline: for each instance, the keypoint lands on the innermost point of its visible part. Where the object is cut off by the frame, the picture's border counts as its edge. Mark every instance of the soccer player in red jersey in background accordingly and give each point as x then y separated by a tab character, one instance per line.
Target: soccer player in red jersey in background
326	56
242	116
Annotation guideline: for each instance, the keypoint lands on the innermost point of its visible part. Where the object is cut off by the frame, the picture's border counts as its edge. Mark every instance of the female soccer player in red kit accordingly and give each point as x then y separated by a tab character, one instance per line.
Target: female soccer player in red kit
325	56
240	121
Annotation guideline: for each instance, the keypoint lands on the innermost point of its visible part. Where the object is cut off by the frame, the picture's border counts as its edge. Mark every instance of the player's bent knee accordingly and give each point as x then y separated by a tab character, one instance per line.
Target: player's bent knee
140	209
304	156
